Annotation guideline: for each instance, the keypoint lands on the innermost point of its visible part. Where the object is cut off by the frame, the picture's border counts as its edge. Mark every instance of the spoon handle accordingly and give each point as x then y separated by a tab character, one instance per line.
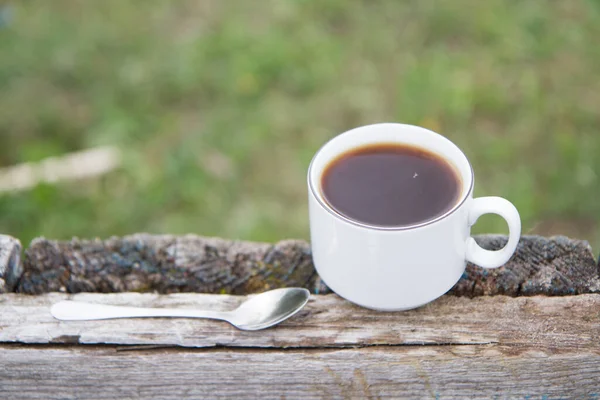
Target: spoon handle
80	311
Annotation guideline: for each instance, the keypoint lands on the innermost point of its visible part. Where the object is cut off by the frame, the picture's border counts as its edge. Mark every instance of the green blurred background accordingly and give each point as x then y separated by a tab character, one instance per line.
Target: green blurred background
219	106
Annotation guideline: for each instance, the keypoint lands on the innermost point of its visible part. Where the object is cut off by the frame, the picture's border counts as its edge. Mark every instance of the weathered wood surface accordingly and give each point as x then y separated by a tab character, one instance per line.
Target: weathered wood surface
466	344
10	263
571	322
169	264
434	372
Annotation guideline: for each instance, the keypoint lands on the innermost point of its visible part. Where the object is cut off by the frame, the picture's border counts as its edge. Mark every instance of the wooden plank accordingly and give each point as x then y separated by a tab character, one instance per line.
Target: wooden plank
571	322
439	372
169	264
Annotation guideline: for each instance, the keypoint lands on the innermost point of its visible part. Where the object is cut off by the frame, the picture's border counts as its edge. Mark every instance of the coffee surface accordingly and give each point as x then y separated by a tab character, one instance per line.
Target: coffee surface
390	185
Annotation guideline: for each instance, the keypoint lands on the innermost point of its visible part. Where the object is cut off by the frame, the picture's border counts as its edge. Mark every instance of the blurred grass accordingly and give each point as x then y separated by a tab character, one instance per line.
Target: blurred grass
219	106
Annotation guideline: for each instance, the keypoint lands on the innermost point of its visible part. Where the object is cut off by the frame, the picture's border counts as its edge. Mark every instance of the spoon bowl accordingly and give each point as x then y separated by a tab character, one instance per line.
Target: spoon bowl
269	308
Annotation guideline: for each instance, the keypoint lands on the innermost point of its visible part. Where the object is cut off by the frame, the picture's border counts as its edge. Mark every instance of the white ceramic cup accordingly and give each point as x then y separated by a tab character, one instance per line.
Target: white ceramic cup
399	268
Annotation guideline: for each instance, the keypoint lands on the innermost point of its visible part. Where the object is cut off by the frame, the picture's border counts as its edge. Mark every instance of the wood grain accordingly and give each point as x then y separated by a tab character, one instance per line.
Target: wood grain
571	322
435	372
554	266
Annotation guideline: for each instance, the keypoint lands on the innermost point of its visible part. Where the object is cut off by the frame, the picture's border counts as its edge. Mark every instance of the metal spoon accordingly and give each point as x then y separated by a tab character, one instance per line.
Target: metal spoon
258	312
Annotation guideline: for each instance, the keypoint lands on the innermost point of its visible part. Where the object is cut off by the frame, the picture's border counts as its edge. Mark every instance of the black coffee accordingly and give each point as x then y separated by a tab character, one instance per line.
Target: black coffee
390	185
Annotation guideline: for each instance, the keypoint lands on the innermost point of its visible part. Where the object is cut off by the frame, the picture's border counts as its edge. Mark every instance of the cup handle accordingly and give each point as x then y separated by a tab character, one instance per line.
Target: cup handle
504	208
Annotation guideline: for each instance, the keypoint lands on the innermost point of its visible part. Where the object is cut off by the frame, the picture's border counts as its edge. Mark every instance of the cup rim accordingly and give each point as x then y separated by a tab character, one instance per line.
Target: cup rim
330	210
